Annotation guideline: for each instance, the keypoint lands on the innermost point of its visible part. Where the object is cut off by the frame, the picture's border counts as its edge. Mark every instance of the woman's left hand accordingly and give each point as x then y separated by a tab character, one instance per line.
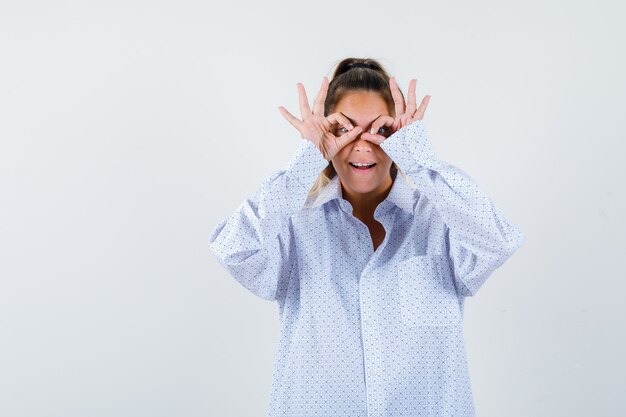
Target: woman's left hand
405	114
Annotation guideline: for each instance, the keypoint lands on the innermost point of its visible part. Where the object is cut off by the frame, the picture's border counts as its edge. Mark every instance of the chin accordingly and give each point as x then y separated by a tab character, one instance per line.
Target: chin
362	187
363	184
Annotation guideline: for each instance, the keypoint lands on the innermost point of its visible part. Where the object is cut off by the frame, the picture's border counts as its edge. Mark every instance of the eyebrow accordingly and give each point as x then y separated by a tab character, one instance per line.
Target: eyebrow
354	123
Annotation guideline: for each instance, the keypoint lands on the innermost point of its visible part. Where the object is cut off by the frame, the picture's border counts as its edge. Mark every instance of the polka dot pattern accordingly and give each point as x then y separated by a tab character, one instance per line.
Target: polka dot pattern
367	332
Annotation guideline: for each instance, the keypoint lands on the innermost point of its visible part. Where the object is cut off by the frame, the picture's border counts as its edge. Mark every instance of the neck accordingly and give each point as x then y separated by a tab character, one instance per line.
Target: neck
364	204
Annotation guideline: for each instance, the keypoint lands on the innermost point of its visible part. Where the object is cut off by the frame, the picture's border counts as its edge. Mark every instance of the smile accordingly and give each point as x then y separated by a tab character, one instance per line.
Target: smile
362	168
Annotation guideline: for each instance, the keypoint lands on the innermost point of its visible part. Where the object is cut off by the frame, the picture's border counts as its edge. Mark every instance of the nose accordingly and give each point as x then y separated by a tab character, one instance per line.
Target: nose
361	144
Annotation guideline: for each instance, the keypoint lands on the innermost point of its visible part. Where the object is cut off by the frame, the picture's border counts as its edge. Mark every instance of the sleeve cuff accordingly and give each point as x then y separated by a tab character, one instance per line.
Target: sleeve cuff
409	147
307	164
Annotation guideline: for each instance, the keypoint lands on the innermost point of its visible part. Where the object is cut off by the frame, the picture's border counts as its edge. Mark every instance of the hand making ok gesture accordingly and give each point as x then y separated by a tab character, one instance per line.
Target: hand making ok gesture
317	128
404	115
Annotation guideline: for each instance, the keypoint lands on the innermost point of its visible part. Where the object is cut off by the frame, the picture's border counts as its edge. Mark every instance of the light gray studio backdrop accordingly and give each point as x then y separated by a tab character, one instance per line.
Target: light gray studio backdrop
130	129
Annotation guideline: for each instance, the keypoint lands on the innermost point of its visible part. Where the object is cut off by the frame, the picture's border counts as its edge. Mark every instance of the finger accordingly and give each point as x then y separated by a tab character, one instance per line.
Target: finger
348	137
375	139
295	122
374	136
382	120
397	96
411	106
339	141
340	118
305	110
419	114
318	106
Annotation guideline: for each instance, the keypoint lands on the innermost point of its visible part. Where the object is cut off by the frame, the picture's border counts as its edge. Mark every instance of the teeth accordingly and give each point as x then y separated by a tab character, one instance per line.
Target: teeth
358	164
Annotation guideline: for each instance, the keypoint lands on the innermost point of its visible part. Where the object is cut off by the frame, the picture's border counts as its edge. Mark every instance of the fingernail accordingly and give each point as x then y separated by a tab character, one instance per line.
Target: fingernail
372	131
350	127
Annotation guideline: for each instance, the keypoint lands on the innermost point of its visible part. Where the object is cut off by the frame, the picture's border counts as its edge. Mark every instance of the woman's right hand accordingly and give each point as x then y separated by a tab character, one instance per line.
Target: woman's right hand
319	129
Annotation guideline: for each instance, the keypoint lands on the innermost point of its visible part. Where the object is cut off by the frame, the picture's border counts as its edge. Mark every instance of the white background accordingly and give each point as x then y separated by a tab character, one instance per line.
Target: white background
130	129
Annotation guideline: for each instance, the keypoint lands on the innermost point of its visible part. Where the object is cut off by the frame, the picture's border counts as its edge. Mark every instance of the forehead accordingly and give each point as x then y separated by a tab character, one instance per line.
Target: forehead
361	107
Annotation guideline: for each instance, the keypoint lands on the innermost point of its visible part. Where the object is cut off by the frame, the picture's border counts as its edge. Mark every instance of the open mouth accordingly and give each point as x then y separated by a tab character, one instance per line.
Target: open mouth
363	167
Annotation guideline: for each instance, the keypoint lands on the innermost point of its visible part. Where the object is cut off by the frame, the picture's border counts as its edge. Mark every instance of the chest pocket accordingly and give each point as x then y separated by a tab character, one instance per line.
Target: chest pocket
427	295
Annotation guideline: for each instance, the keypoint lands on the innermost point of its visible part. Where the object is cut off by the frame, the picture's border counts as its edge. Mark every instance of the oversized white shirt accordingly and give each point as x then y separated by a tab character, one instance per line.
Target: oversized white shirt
367	332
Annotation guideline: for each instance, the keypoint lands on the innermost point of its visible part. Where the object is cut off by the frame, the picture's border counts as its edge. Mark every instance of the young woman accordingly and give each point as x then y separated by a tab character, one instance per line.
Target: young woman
369	244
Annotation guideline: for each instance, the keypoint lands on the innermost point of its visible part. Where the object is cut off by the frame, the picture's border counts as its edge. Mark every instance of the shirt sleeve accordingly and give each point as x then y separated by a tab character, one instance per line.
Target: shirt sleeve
255	244
479	237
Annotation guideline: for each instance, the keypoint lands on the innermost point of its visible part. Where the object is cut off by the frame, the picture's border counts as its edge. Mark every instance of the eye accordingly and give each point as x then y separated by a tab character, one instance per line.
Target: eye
341	130
385	130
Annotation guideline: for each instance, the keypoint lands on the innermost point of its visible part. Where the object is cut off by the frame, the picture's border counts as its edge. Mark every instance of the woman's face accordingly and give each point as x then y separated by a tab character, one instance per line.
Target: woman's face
362	108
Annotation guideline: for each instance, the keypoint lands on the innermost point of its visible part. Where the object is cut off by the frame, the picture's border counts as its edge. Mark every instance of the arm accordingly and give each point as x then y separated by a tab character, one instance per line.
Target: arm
255	243
480	239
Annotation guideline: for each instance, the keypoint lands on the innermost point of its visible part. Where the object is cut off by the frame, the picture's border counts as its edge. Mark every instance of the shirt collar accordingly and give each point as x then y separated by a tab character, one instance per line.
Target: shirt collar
400	195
